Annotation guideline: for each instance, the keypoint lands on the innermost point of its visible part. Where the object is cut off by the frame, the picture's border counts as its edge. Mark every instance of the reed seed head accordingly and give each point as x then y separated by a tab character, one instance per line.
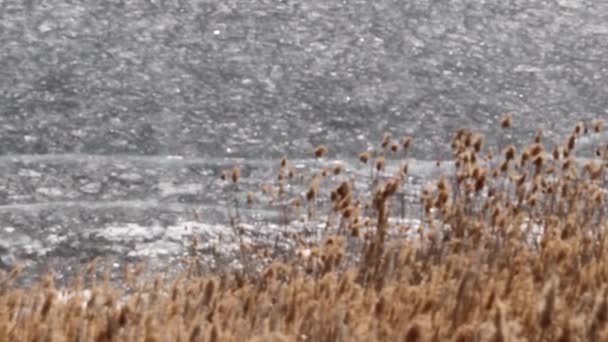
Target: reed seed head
510	152
507	120
338	168
598	126
236	174
320	151
407	142
364	157
386	140
380	163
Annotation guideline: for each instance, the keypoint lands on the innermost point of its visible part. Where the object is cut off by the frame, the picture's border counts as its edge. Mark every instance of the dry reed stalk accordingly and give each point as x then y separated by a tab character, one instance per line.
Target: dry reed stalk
523	261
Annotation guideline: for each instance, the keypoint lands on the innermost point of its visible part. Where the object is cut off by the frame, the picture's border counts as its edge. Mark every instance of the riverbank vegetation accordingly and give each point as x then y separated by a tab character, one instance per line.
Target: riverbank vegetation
511	245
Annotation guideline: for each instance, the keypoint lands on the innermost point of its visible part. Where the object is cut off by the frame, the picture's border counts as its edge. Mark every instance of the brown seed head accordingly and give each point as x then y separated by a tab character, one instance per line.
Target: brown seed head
477	143
598	126
510	152
364	157
538	162
407	142
571	142
556	152
338	168
394	147
296	203
320	151
236	174
536	149
579	128
386	140
404	168
504	167
380	163
507	120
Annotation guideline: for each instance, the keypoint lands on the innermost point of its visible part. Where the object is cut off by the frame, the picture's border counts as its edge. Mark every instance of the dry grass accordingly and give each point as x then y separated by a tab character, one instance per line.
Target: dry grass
511	248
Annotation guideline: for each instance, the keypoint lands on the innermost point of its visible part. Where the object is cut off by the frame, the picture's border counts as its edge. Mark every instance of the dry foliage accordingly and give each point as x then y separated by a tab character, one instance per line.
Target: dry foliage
511	248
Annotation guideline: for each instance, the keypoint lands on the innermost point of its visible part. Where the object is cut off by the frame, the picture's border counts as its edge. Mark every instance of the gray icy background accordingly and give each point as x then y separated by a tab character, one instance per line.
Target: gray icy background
116	117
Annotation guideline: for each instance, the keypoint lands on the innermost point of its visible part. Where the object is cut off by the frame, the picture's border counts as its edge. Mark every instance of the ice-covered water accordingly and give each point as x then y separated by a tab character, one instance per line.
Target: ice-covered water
116	116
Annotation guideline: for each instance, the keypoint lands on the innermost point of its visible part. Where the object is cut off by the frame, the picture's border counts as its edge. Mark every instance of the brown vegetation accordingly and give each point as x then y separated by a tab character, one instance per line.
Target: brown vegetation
511	248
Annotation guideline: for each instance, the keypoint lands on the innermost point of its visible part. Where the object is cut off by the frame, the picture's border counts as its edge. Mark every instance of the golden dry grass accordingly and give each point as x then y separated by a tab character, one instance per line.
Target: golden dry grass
512	248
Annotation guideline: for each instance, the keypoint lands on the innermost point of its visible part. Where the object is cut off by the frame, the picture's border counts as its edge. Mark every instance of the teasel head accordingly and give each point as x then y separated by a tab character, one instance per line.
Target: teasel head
407	142
460	133
525	156
507	120
522	179
457	147
510	152
556	152
504	167
338	168
344	189
579	128
380	163
536	149
594	170
568	164
533	198
479	172
443	183
442	199
386	140
364	157
350	212
391	187
489	156
333	196
477	143
320	151
404	169
236	174
598	126
480	183
250	198
311	194
313	190
394	147
571	173
296	202
468	139
598	196
284	162
538	162
571	142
